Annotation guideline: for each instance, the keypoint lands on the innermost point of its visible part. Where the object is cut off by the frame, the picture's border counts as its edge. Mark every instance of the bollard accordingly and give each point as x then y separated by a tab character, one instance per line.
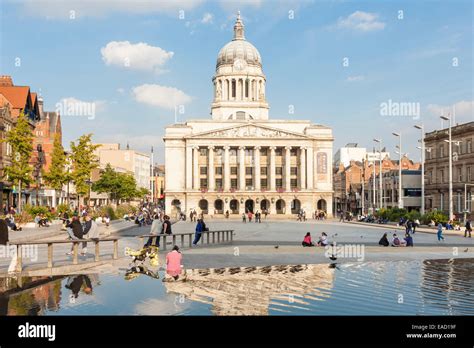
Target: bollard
115	249
213	237
208	237
218	236
190	240
50	255
96	251
74	253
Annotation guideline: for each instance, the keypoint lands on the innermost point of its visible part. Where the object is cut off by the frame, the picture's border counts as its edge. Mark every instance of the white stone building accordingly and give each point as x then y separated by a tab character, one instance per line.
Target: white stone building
241	160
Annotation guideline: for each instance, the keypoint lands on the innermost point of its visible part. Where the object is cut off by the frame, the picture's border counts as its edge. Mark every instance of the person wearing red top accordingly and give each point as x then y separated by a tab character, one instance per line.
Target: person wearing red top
307	240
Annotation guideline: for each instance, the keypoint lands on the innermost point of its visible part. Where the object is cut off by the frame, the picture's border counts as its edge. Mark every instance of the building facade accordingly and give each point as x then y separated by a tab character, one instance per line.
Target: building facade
437	169
240	160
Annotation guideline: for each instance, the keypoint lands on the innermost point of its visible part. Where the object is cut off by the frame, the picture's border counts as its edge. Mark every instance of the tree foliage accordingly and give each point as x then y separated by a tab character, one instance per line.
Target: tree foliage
83	162
57	175
20	139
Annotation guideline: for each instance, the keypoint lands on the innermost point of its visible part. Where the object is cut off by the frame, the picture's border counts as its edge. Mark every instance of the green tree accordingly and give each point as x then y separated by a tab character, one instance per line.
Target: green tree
83	162
109	182
20	139
57	175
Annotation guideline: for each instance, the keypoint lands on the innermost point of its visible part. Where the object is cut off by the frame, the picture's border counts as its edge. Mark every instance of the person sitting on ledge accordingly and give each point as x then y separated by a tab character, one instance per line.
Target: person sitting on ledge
408	240
396	242
323	240
307	240
384	241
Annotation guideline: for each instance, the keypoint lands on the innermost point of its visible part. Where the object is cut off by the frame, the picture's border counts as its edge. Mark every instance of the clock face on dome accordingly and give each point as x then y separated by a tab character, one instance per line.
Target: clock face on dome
239	64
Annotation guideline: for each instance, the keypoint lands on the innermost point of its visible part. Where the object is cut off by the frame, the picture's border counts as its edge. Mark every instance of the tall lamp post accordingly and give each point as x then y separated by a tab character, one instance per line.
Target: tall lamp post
400	199
450	147
379	141
422	148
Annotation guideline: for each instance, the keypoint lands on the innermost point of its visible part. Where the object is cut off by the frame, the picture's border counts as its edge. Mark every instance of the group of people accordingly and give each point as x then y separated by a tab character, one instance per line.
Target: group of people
301	215
396	241
322	241
250	215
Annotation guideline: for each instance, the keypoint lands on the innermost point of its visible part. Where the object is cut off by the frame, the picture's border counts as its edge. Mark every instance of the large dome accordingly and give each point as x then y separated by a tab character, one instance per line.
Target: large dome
239	49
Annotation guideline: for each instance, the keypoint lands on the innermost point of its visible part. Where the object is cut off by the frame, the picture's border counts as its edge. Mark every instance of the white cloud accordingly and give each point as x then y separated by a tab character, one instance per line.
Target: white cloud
355	78
463	110
361	21
140	56
161	96
207	18
61	9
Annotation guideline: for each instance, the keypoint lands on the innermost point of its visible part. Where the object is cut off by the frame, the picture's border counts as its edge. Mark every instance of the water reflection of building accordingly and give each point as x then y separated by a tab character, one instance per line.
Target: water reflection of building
29	296
251	290
447	285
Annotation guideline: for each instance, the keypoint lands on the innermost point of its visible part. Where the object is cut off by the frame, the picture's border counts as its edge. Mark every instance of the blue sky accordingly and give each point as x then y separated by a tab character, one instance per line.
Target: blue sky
76	49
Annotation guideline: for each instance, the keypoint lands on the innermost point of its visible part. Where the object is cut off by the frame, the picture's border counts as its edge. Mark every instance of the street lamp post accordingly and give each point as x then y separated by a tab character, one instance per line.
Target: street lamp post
450	146
380	172
465	199
422	128
400	200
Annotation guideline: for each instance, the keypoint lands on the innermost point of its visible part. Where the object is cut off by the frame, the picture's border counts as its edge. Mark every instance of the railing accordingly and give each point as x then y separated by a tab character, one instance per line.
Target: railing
221	236
75	244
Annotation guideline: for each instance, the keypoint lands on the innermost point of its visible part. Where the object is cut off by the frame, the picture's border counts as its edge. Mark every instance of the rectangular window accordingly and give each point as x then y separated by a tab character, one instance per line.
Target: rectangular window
460	174
233	183
278	170
248	182
263	152
203	152
279	183
468	174
441	151
263	170
219	170
248	170
218	183
293	152
203	183
293	183
263	183
441	176
441	201
279	151
233	170
203	170
469	146
294	170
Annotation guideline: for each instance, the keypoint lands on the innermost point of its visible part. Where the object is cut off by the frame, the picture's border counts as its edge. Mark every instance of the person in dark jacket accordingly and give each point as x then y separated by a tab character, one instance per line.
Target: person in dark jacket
384	240
3	232
468	228
77	233
199	229
77	283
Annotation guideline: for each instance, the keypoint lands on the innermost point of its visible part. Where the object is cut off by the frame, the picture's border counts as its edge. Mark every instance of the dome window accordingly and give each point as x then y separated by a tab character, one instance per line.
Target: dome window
240	115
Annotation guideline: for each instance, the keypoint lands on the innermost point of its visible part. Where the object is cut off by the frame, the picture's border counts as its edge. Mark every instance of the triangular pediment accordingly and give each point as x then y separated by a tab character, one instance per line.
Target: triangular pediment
249	131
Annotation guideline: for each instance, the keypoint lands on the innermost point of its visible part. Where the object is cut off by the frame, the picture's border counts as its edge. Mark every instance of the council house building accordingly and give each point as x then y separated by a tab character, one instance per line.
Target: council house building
240	160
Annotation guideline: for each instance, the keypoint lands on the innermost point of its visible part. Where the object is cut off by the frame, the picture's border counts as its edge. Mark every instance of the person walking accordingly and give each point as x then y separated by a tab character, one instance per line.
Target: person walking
198	232
440	232
468	228
244	218
154	230
173	263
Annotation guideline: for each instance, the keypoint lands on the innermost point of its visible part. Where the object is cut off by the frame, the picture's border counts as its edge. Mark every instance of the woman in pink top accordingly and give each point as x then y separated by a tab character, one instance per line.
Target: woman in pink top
173	263
307	240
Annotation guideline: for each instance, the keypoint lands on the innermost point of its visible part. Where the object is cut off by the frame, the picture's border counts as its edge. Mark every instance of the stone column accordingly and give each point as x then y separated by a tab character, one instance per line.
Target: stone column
287	168
189	167
242	168
211	183
271	175
226	169
302	168
196	167
256	168
310	169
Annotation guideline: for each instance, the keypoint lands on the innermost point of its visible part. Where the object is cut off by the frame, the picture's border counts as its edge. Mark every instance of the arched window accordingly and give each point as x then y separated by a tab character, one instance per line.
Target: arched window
233	88
247	88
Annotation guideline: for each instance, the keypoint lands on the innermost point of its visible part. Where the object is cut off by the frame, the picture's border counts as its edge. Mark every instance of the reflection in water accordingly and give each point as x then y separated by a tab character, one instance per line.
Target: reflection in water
249	291
432	287
135	271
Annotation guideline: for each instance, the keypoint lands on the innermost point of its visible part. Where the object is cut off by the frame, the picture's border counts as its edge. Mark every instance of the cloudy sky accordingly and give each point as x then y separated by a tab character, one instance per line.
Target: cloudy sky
337	63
